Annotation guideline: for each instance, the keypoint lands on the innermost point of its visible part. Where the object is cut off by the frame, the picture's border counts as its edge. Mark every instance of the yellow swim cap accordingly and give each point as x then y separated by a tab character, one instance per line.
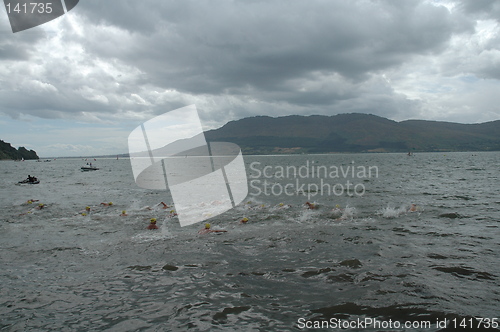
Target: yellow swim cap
87	208
30	202
41	204
337	206
123	212
153	220
207	225
84	214
281	204
110	203
245	219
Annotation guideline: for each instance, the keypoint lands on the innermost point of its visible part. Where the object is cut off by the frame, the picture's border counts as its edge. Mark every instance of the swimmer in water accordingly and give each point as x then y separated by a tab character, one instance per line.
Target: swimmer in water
244	220
31	201
107	204
413	208
311	206
347	214
207	230
165	206
337	211
39	207
87	211
152	224
124	214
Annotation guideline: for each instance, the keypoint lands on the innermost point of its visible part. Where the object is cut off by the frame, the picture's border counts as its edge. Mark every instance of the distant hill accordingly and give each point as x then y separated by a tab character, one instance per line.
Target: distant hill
9	152
354	133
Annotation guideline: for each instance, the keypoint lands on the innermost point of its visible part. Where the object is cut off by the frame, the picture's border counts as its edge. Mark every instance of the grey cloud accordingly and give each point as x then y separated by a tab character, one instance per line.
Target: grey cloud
18	47
213	47
484	8
247	57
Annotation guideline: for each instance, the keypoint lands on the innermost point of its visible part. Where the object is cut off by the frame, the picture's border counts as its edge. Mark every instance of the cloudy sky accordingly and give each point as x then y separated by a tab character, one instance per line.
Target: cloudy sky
80	84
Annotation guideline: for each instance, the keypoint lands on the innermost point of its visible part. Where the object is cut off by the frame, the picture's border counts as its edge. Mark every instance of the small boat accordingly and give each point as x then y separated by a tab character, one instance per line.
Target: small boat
89	168
26	181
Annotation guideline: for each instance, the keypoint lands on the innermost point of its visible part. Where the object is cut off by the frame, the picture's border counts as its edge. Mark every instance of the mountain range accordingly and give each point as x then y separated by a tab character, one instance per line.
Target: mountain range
354	133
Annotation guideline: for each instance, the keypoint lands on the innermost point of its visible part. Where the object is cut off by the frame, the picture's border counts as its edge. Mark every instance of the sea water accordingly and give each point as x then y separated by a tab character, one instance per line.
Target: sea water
361	254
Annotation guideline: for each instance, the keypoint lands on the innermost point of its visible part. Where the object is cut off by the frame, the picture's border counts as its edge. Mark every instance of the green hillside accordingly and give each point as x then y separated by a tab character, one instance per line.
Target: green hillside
354	133
9	152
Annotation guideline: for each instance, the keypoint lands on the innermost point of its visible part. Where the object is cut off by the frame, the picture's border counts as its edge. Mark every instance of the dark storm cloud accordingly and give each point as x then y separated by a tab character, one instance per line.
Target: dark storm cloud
220	47
129	59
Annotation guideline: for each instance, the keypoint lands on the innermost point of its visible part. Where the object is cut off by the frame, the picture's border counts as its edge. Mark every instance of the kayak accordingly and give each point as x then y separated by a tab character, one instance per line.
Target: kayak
89	168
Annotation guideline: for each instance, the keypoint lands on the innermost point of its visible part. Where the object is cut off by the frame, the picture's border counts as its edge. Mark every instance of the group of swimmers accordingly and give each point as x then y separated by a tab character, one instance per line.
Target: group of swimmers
152	222
40	206
338	212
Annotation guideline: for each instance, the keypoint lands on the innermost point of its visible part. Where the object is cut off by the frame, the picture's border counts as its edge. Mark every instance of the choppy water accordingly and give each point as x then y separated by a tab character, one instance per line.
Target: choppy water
61	270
